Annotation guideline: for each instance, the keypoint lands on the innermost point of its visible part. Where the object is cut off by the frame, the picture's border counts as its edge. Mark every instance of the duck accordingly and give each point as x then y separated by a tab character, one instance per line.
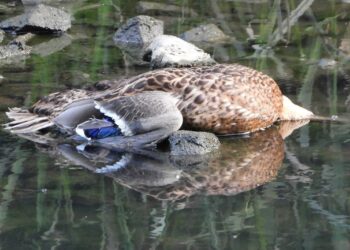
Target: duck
222	99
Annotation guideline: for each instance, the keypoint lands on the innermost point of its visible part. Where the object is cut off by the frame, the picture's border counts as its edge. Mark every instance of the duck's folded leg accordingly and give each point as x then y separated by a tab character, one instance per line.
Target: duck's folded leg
143	119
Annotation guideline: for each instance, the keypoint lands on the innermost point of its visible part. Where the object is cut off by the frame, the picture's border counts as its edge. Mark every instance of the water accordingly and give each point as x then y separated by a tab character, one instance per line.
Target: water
258	193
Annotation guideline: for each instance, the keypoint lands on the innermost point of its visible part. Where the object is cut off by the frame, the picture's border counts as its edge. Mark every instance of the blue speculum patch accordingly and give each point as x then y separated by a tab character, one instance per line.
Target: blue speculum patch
100	133
103	132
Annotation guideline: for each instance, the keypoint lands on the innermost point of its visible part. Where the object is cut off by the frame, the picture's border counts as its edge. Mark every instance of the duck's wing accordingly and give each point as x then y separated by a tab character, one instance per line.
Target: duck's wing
75	114
143	118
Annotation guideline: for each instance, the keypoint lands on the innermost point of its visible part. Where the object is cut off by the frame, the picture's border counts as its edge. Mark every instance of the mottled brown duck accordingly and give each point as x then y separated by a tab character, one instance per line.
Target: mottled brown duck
223	98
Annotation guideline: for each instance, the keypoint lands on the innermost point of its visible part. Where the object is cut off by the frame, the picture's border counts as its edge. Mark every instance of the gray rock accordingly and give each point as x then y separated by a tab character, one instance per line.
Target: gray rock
208	33
327	63
135	36
138	32
38	19
171	51
184	142
152	8
16	48
13	50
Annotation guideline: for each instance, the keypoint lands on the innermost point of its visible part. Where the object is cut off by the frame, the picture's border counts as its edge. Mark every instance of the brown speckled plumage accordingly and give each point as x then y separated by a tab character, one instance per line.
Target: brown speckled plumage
224	99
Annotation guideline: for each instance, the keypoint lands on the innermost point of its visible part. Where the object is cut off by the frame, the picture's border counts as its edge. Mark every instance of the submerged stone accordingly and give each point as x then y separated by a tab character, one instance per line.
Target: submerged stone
135	35
184	142
13	50
41	18
16	48
327	63
171	51
208	33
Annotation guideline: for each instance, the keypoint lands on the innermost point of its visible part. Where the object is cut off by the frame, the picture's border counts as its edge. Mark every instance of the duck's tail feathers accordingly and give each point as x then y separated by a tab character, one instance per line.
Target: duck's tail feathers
24	122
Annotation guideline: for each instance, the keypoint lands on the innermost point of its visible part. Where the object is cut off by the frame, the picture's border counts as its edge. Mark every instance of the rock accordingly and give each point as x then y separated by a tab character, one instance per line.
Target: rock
41	18
52	46
208	33
184	142
13	50
152	8
327	63
170	51
138	32
16	48
135	36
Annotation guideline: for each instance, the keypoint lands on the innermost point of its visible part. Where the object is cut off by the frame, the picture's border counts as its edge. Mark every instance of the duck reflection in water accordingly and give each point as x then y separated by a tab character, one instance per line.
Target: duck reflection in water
241	164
